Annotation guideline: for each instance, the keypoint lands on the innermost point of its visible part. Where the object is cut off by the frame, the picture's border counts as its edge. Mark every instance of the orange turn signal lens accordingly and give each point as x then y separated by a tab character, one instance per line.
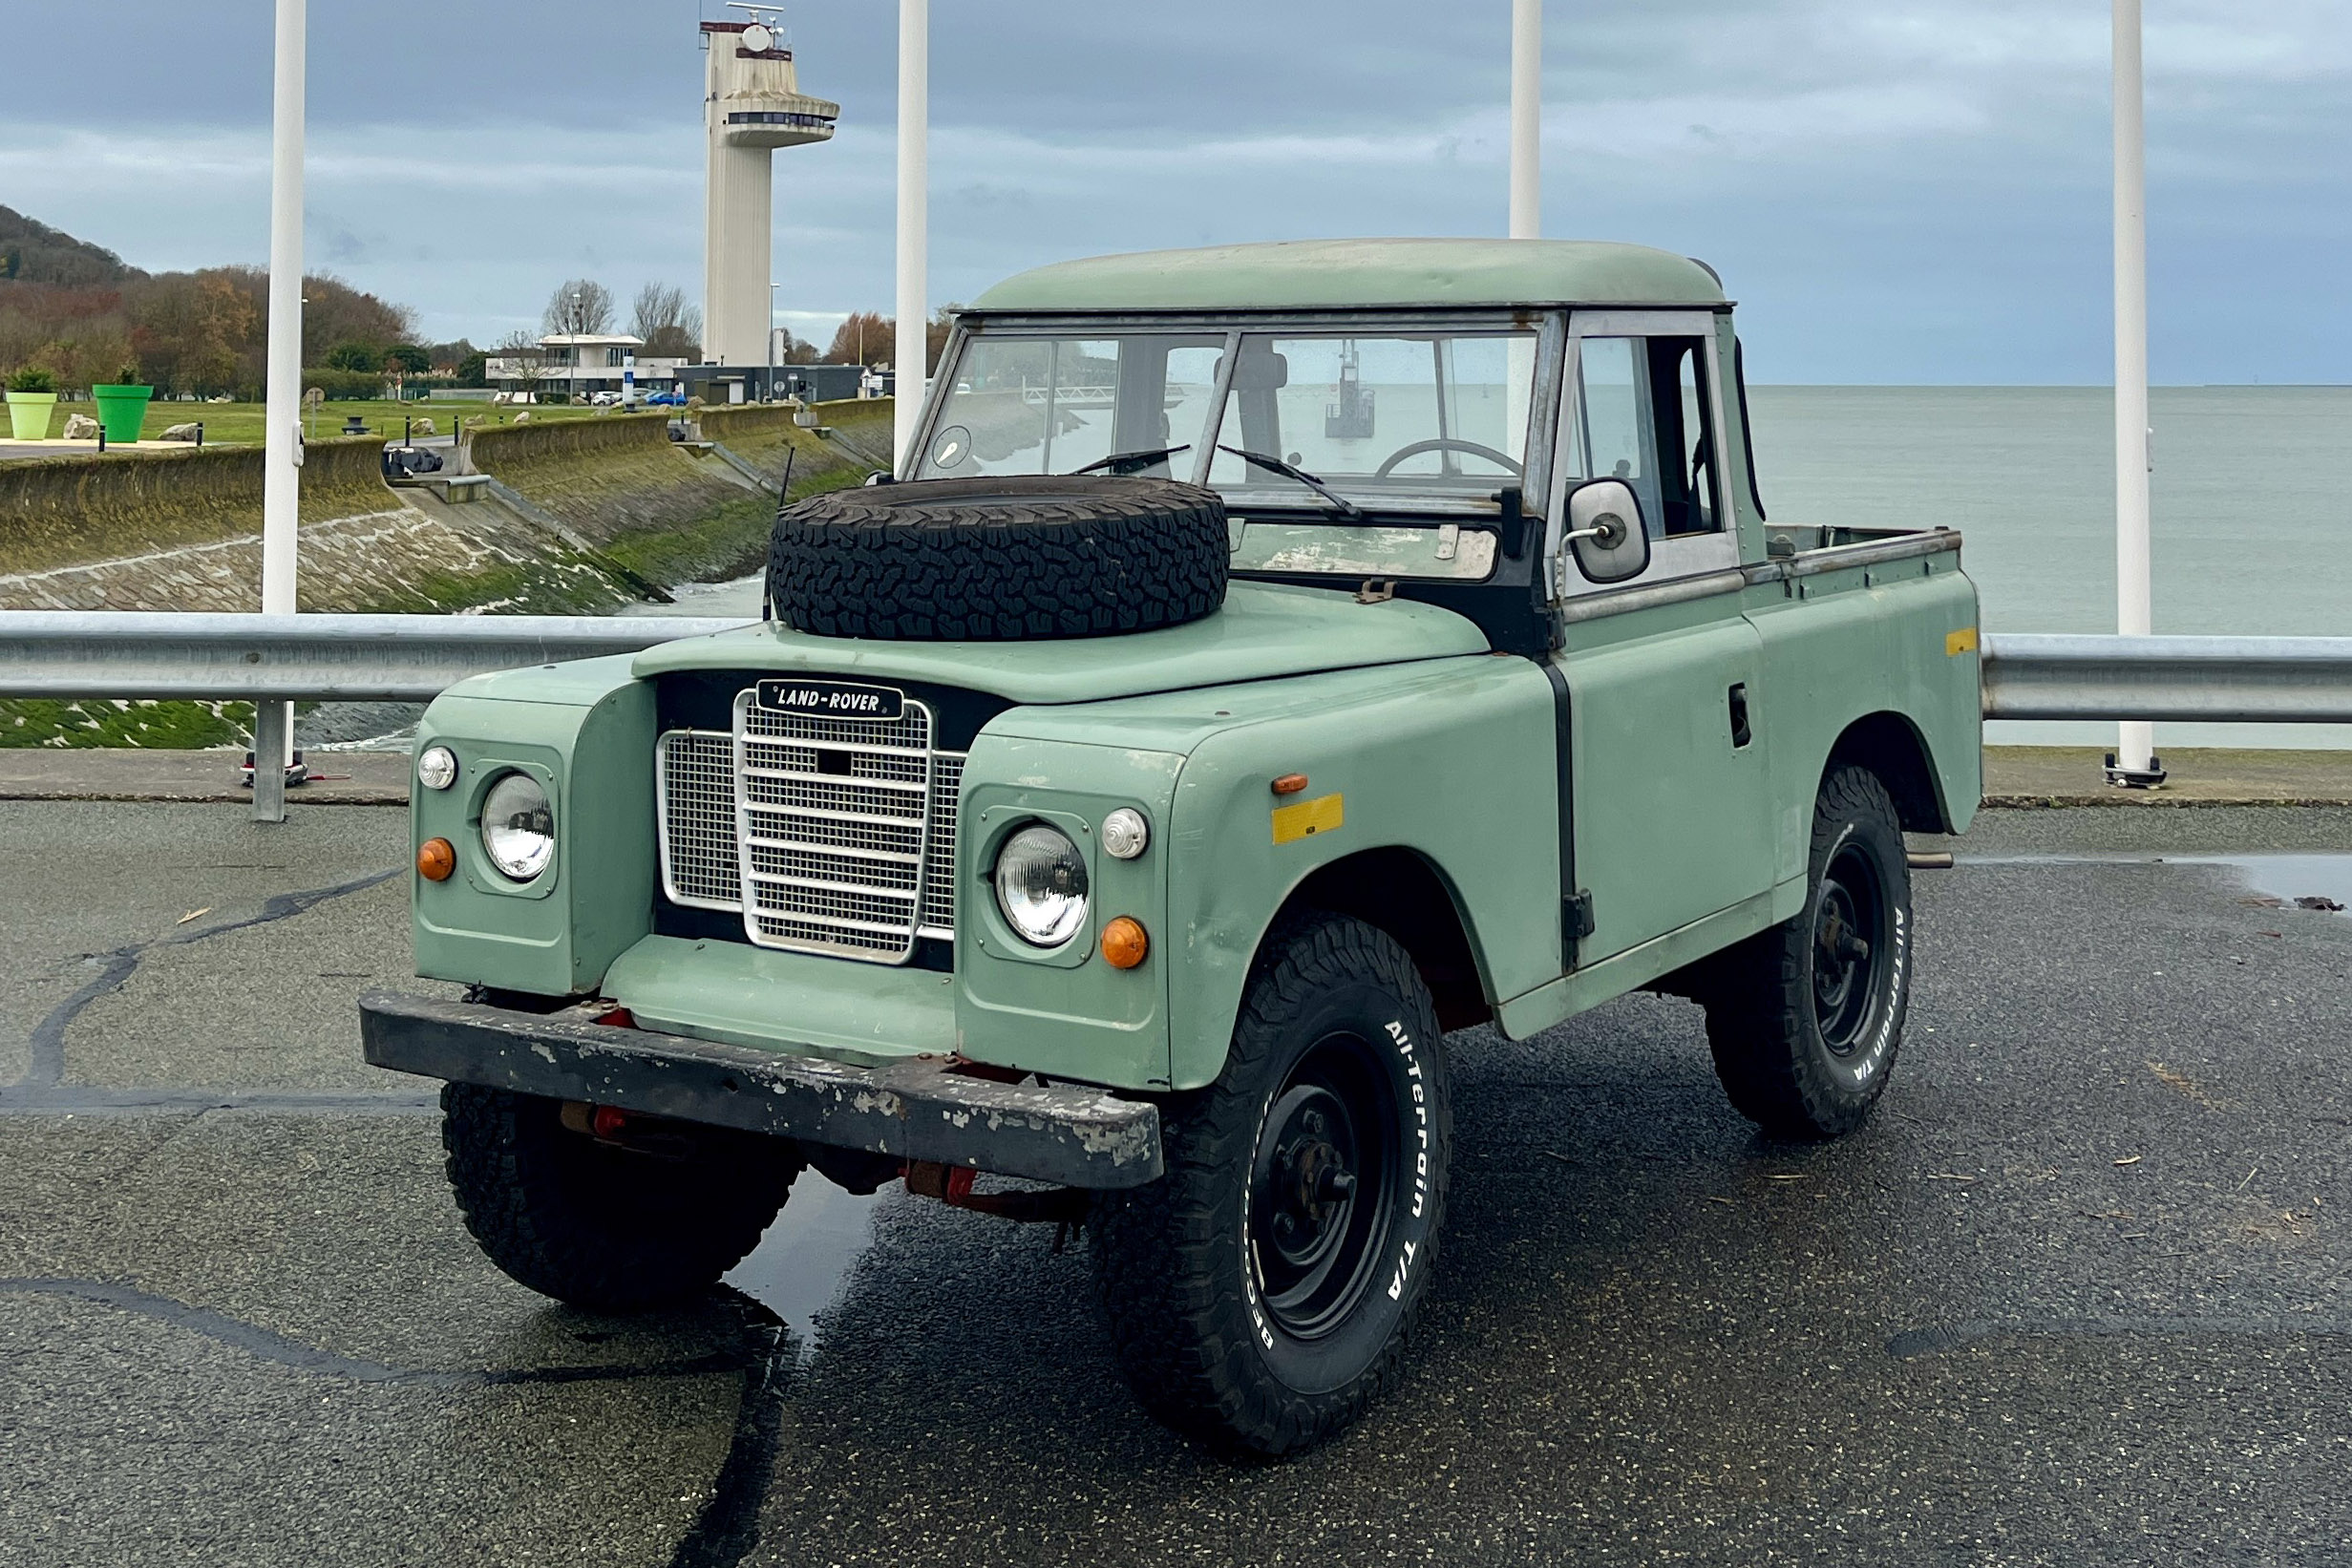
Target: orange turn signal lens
1124	943
436	860
1290	784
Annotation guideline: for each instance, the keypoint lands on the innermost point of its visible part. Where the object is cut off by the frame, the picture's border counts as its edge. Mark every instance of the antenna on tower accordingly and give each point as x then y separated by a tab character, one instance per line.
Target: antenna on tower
767	29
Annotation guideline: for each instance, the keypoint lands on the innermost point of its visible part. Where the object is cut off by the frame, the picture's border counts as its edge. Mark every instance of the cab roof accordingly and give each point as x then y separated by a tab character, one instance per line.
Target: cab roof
1363	274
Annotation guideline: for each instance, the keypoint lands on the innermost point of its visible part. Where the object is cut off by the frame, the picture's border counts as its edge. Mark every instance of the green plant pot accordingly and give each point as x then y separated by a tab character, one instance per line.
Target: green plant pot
123	410
29	414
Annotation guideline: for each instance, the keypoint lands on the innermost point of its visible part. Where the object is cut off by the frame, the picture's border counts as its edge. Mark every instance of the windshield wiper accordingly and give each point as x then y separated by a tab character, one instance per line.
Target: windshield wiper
1275	465
1131	463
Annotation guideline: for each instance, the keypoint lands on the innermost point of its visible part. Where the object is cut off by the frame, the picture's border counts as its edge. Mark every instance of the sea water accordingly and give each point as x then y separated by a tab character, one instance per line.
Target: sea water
2251	495
2251	498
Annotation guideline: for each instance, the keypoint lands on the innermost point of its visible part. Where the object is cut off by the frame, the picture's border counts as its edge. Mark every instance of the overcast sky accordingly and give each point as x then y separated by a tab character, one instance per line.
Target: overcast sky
1895	190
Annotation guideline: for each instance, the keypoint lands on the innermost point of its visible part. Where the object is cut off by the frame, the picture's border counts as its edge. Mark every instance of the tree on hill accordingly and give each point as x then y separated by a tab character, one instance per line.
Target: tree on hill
580	307
194	332
80	313
866	335
30	251
870	338
672	328
523	360
354	356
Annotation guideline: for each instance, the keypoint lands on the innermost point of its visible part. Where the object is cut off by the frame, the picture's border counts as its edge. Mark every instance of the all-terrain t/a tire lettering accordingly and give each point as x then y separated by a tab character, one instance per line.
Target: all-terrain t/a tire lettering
1805	1019
1261	1295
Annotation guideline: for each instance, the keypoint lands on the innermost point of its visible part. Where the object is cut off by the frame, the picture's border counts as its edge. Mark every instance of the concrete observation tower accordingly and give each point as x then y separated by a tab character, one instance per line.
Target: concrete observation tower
752	105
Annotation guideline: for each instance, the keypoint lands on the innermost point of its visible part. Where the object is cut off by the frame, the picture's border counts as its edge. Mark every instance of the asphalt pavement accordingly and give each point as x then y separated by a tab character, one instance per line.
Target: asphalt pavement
2081	1293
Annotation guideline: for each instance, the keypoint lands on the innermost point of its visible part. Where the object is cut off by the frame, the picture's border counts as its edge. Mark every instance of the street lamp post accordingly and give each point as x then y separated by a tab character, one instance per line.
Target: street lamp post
274	722
769	394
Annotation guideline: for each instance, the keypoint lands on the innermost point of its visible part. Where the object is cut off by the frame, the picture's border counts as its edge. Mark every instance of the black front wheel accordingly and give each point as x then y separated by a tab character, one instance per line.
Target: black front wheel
612	1224
1260	1295
1805	1019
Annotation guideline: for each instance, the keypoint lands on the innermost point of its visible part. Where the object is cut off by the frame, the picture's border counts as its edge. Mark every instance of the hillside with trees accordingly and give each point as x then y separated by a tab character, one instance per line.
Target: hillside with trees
30	251
82	314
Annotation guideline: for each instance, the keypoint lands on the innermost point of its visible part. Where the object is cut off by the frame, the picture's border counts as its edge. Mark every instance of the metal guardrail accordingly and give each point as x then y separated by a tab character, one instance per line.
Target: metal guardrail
2244	680
301	658
412	658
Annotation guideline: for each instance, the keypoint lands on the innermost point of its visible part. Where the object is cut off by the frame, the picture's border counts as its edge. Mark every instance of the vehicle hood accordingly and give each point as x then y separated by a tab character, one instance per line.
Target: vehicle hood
1263	630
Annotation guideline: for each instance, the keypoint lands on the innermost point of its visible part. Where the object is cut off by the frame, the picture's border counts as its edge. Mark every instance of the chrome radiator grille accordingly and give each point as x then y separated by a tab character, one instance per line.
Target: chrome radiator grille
830	835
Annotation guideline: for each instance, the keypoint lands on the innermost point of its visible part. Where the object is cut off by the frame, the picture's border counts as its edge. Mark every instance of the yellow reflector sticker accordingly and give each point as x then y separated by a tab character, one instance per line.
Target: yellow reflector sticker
1321	815
1962	641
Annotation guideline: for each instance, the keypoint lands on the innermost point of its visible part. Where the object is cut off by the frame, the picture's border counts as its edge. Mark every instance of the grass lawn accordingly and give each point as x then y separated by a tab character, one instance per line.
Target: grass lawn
240	424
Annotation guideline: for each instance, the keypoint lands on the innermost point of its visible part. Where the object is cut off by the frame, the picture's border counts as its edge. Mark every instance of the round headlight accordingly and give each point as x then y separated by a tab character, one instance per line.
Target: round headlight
1124	834
1041	885
437	768
519	827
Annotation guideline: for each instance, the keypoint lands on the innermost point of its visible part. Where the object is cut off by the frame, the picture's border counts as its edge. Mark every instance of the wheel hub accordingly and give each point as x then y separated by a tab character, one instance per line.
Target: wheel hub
1849	938
1319	1203
1311	1179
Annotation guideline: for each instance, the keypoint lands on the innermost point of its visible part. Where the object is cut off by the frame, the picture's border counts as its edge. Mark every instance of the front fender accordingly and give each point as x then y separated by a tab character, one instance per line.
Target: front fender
586	730
1454	759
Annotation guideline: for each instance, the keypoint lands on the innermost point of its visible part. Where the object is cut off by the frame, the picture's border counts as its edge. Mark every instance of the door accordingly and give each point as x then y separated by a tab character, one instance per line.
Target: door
1670	806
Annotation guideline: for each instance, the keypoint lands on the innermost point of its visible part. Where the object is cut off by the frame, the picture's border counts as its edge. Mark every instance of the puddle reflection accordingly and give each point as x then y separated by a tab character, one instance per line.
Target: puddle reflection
799	1265
2309	881
2292	878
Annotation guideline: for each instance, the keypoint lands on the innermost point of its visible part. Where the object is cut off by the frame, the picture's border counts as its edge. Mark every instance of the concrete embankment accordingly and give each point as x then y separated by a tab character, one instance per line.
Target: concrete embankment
579	517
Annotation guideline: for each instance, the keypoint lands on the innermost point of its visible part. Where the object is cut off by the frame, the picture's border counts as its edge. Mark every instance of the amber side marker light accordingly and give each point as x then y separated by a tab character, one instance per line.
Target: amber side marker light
1290	784
1124	943
436	860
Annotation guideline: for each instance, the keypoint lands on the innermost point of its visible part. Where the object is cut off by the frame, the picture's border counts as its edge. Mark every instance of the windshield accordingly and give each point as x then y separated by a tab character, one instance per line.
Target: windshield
1381	419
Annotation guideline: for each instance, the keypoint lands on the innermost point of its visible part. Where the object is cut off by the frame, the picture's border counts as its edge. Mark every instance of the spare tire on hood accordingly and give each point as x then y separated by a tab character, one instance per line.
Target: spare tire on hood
1000	559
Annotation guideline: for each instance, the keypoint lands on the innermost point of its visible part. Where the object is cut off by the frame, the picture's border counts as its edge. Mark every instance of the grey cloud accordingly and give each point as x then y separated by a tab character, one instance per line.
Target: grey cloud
1897	189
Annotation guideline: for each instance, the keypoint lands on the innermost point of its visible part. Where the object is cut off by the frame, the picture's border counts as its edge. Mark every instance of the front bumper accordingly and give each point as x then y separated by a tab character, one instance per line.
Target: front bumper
920	1109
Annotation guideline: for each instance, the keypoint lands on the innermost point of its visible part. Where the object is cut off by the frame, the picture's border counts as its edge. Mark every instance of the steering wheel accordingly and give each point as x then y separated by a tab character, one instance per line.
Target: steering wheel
1448	443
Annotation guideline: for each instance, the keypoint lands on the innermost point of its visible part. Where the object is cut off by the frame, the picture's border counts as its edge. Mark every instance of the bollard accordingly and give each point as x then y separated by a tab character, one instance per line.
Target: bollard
200	435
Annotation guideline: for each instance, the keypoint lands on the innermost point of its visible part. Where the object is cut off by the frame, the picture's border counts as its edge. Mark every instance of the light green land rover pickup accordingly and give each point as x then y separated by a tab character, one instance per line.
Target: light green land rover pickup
1277	658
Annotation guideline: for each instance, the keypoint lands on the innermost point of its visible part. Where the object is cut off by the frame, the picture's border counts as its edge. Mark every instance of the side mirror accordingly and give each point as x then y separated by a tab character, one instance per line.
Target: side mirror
1605	527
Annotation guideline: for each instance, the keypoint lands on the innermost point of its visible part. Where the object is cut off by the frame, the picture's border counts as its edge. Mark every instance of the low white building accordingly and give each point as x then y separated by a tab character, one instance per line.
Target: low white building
579	364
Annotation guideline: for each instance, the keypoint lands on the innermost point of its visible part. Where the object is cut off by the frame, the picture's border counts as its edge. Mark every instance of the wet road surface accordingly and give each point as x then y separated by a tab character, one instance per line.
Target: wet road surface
2082	1293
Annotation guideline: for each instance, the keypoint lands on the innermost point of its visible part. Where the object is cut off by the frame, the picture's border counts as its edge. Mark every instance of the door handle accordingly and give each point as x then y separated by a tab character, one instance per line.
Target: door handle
1741	734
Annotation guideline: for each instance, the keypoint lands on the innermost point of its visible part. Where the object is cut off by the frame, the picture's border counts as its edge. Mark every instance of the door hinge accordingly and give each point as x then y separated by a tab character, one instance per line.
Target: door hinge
1577	916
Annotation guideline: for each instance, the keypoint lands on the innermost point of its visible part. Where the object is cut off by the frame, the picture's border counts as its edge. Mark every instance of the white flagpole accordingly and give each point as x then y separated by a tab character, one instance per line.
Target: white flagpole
2135	739
1526	119
914	211
274	722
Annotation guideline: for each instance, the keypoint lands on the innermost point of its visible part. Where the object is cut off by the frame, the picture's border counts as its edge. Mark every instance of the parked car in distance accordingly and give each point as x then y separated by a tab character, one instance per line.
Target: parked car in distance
1283	658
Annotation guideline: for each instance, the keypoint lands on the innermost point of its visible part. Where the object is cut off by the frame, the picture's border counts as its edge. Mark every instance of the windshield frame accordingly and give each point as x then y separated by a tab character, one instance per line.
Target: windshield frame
1548	325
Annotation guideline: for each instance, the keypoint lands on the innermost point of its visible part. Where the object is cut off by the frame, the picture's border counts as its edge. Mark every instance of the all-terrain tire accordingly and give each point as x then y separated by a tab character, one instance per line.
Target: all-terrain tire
999	560
1190	1283
1803	1038
598	1225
